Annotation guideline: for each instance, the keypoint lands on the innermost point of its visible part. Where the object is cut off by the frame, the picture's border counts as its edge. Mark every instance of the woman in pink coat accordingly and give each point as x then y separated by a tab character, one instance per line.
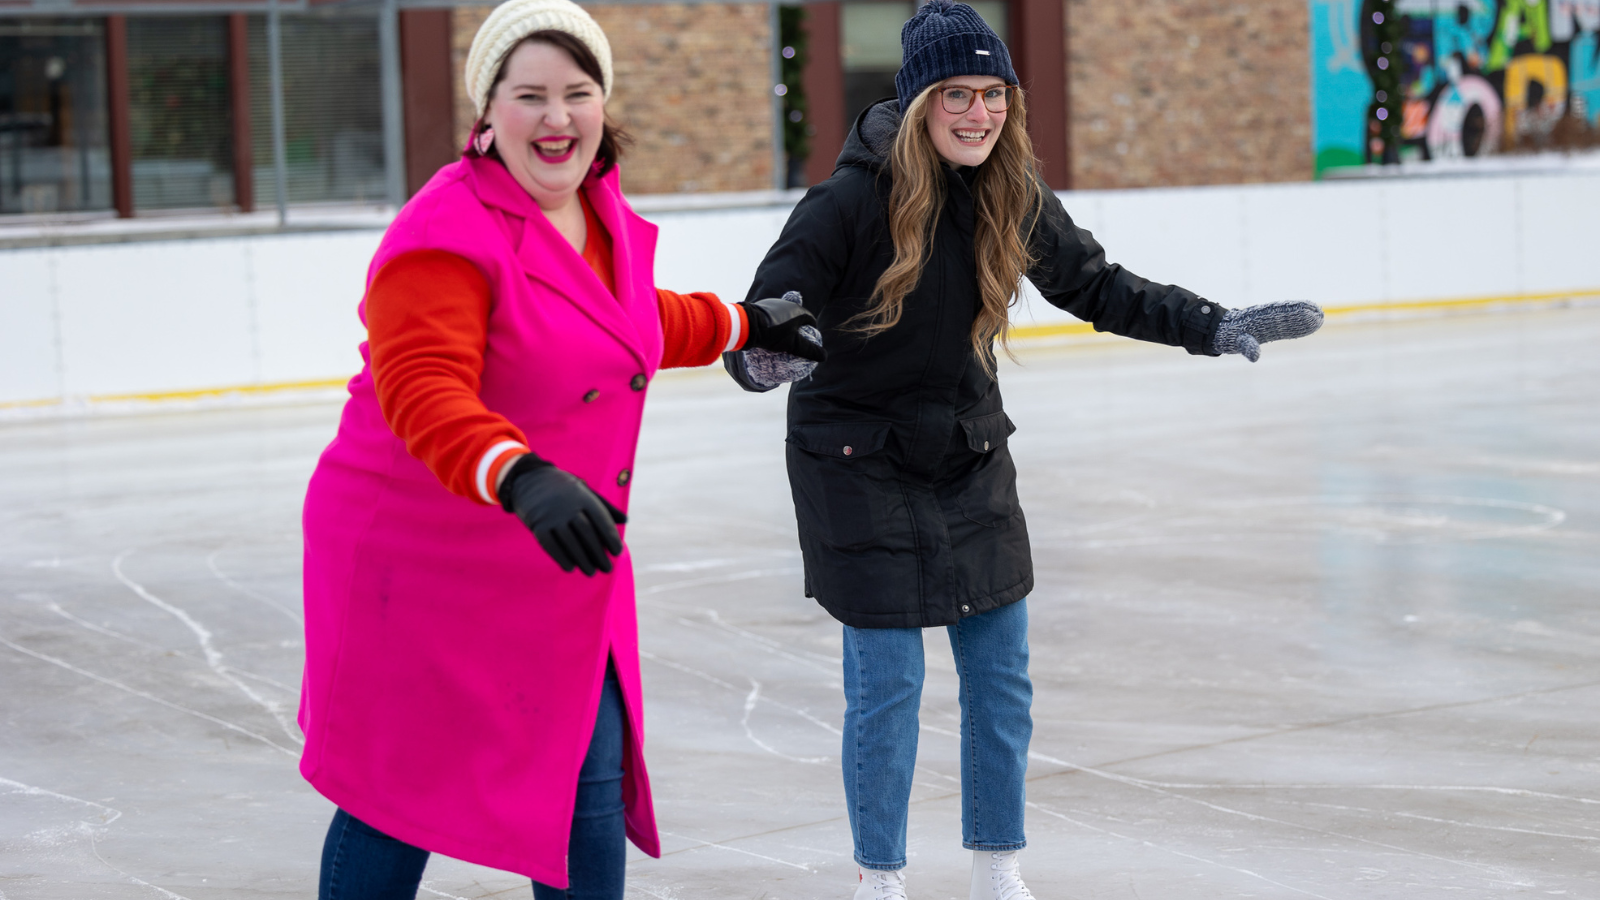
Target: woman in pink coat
469	689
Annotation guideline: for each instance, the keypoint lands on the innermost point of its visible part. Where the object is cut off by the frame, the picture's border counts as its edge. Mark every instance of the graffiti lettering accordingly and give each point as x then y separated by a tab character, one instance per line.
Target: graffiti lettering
1519	20
1465	120
1536	94
1445	79
1585	83
1570	17
1341	22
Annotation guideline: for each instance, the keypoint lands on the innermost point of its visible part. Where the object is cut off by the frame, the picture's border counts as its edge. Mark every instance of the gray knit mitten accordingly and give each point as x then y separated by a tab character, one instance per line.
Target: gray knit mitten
1243	331
759	370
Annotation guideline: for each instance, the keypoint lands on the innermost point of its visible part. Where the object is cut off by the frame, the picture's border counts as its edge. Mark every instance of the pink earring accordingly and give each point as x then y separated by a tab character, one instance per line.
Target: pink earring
484	141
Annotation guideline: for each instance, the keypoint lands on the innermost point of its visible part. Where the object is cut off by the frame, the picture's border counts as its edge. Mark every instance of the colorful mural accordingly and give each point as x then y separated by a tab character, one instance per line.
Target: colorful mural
1413	80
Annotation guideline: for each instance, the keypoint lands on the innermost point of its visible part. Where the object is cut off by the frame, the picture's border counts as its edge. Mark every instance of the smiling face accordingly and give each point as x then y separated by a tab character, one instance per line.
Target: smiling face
965	139
548	117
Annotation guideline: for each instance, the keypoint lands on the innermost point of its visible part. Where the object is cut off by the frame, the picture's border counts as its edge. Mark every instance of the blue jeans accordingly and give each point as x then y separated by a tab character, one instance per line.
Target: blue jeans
883	671
360	862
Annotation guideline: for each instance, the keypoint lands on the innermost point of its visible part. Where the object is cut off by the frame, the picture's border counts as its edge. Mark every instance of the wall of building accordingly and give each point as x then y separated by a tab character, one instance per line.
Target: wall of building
1188	92
188	315
693	88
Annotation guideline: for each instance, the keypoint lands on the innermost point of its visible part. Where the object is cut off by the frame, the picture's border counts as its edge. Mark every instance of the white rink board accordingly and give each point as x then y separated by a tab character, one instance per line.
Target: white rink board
170	316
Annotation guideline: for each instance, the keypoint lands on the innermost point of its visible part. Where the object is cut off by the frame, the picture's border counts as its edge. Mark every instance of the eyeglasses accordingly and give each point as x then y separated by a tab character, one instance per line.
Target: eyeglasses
957	100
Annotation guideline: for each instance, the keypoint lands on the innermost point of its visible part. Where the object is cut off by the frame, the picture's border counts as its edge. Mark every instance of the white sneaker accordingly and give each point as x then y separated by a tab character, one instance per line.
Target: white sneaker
995	876
877	884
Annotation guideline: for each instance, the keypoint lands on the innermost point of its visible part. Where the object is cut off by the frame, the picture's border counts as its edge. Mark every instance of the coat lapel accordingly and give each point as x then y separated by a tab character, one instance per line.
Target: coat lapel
547	257
633	251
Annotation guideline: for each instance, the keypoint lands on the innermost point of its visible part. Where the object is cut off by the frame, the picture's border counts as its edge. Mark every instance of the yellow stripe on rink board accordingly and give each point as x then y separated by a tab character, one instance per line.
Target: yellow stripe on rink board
1024	332
1021	333
1463	303
251	390
1069	329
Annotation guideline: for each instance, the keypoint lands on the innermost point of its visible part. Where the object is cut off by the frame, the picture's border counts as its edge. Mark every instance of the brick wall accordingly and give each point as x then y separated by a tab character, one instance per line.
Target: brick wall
692	88
1184	92
464	22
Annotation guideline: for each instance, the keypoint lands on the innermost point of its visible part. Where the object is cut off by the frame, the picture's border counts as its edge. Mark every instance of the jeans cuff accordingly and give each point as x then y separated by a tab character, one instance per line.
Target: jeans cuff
1002	848
881	867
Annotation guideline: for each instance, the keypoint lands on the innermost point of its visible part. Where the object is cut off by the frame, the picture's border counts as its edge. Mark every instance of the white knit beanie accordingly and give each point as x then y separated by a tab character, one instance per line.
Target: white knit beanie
516	19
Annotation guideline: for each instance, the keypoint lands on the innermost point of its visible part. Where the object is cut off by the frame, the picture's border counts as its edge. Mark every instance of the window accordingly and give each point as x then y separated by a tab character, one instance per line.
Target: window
332	106
54	153
869	35
178	113
55	125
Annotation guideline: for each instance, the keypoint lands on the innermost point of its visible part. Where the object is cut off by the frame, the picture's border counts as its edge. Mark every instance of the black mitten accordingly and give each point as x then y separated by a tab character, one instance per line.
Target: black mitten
573	524
1243	331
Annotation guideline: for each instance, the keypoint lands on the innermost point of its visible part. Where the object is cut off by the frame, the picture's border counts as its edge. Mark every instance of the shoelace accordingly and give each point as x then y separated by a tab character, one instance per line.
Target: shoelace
889	888
1008	881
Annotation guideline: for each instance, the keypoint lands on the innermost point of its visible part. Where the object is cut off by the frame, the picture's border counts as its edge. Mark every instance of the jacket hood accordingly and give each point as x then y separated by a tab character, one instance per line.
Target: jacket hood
872	136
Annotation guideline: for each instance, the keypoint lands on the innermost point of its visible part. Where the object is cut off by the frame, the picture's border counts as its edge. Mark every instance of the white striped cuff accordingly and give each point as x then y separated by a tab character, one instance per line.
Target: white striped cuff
735	331
486	462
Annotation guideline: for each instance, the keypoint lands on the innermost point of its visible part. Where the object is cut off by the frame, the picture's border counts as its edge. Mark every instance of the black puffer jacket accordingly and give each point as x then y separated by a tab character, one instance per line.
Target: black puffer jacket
904	489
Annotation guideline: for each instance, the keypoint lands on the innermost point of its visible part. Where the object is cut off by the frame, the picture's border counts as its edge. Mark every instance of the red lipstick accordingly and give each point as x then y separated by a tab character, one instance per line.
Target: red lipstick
571	141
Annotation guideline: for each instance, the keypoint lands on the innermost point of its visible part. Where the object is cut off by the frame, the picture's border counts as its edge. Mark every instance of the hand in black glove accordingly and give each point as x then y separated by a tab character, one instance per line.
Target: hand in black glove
775	325
576	526
1244	330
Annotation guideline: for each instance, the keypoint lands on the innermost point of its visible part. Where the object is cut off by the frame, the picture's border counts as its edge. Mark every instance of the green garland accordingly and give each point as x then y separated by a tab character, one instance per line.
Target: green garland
793	39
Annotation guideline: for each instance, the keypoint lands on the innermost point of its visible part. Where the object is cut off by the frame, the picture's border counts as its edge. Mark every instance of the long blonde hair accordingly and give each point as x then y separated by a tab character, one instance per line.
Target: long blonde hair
1006	195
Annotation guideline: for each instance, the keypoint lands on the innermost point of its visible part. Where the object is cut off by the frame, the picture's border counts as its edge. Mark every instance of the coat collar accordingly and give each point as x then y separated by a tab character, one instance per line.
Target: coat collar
547	257
871	138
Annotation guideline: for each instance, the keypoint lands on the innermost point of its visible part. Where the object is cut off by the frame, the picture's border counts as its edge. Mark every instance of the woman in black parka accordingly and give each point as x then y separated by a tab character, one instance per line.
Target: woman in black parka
909	256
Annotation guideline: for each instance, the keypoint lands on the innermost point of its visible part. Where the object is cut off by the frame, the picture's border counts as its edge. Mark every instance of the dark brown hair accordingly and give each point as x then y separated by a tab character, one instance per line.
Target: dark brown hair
613	139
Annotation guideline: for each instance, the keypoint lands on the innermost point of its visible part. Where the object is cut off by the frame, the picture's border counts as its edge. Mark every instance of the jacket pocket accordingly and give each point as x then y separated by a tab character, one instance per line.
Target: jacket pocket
840	492
985	433
988	493
851	440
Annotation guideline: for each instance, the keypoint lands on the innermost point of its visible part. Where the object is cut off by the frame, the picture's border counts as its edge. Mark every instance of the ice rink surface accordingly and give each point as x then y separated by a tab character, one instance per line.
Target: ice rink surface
1327	626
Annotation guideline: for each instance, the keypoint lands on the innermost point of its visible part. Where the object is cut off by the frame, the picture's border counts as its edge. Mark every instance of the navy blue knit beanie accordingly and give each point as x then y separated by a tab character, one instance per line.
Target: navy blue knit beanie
945	40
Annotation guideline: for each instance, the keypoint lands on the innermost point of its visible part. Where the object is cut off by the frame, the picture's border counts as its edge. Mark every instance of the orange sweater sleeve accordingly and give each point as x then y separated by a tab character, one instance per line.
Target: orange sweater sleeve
427	326
697	328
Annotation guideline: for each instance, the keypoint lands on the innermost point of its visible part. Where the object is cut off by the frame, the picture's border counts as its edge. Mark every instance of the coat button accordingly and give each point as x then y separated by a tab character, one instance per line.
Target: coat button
849	450
985	445
1206	310
623	476
965	608
638	382
589	397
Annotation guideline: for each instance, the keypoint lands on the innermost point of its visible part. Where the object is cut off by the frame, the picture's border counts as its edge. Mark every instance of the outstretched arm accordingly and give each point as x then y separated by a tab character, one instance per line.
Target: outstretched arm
699	327
1072	273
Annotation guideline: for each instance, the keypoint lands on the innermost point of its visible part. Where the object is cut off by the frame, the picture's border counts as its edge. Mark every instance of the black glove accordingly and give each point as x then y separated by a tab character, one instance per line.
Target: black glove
576	526
775	325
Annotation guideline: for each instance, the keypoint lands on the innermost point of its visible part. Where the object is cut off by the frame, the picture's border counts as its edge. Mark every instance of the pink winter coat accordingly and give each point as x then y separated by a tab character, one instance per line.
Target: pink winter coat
453	671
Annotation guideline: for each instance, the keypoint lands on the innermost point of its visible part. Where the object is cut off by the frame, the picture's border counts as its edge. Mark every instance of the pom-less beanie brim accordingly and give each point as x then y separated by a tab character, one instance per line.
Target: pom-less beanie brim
516	19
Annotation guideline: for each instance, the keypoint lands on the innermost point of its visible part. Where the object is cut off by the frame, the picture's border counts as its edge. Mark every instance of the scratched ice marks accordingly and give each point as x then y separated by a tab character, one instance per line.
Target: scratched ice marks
1320	629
